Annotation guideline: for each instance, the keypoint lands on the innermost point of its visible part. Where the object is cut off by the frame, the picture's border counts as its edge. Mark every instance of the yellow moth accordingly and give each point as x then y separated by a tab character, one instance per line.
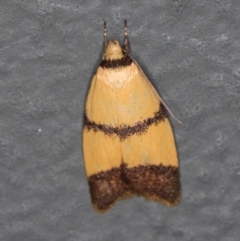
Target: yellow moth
128	143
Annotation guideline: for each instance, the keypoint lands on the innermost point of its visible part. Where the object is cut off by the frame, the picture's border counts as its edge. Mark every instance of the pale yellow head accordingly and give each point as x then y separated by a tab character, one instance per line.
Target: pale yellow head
113	51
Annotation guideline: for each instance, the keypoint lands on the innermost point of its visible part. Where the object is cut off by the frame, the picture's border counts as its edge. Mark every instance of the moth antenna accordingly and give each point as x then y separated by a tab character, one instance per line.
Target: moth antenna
105	38
157	92
126	41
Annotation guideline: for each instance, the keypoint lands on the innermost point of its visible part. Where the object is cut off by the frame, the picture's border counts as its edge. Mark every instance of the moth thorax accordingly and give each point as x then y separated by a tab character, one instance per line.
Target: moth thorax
113	51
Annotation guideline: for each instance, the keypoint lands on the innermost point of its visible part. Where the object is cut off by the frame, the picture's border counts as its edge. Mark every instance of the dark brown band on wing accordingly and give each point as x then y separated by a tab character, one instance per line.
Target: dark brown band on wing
116	63
106	188
156	182
125	131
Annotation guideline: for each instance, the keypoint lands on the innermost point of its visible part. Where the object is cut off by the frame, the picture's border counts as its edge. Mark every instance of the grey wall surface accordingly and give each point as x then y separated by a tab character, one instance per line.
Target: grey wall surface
49	51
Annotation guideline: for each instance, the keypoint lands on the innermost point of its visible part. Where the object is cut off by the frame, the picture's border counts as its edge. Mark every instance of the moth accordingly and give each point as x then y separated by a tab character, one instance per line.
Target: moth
128	143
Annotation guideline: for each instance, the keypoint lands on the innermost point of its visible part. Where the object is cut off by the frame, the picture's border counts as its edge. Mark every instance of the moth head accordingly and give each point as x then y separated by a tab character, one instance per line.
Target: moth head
113	50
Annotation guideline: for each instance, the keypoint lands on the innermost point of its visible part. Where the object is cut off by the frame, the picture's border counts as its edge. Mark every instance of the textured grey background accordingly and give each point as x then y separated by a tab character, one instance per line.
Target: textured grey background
49	51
